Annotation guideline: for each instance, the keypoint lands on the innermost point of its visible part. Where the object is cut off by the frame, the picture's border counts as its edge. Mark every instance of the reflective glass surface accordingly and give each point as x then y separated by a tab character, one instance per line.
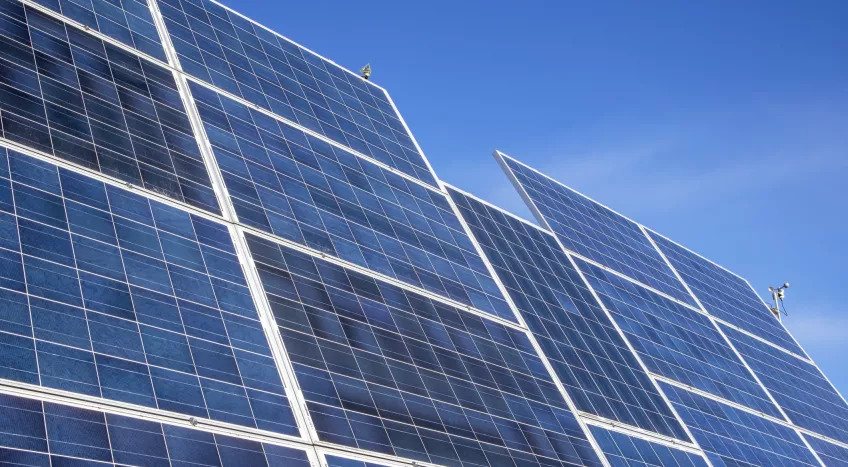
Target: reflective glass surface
127	21
626	451
726	296
732	437
238	56
298	187
387	370
597	233
44	434
90	103
831	454
109	294
797	386
600	373
677	342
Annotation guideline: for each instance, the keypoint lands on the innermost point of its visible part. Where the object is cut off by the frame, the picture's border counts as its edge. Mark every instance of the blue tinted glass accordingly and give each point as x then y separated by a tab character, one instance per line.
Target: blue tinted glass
221	48
111	295
127	21
677	342
726	296
297	187
799	387
386	370
831	454
43	434
591	359
627	451
595	232
733	437
93	104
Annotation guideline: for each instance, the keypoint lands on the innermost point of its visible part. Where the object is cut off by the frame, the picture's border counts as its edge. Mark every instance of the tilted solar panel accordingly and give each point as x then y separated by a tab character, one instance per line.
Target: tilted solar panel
285	182
726	296
734	437
88	102
594	231
387	370
627	451
588	354
109	294
44	434
126	21
832	454
677	342
799	387
222	48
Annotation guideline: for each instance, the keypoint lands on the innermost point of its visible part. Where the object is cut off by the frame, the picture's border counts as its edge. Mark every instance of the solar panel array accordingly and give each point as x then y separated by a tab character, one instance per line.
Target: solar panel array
598	370
88	102
726	296
387	370
218	248
628	451
677	342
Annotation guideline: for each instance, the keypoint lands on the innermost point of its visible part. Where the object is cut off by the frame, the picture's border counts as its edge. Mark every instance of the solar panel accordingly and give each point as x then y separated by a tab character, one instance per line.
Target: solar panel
88	102
798	386
285	182
127	21
222	48
726	296
588	354
626	451
386	370
677	342
594	231
42	434
108	294
733	437
832	454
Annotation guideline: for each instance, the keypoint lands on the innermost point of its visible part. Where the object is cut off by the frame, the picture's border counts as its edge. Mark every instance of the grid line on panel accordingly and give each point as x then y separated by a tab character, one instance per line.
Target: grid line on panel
731	436
725	295
110	294
451	191
799	387
591	229
628	451
589	357
228	52
128	22
297	187
89	102
677	342
830	454
42	433
394	372
190	105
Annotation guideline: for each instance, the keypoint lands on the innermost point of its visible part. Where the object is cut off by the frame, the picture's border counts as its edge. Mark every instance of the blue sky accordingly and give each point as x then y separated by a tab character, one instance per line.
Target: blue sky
723	125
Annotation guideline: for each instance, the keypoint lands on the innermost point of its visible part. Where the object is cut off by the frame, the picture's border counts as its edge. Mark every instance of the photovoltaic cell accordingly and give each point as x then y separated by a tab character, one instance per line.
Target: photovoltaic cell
726	296
588	354
677	342
238	56
595	232
68	94
43	434
386	370
295	186
797	386
109	294
832	454
626	451
732	437
127	21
